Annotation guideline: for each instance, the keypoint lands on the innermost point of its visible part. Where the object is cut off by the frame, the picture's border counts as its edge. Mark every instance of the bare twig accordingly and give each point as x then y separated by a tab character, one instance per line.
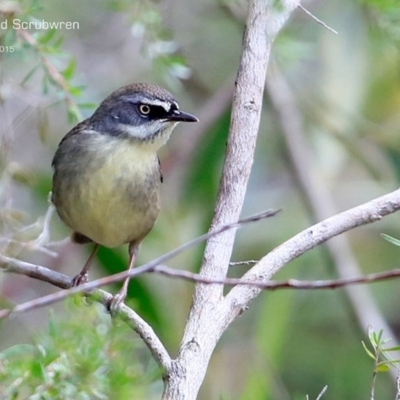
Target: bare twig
244	262
274	285
317	19
256	277
325	388
8	264
61	280
308	239
38	272
125	313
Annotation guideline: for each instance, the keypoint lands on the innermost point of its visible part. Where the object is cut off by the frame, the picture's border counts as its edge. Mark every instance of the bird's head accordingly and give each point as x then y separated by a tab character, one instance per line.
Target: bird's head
142	112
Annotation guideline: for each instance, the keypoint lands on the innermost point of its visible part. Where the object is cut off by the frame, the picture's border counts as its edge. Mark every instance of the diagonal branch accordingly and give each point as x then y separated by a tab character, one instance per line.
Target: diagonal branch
373	211
237	300
192	277
275	285
8	264
91	288
130	317
317	19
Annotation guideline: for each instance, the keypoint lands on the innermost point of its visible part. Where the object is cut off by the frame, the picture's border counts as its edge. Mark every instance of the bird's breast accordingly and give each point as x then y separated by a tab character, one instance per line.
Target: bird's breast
111	192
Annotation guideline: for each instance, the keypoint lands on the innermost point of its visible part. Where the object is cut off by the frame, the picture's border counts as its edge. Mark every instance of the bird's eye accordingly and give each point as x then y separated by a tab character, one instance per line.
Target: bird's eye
144	109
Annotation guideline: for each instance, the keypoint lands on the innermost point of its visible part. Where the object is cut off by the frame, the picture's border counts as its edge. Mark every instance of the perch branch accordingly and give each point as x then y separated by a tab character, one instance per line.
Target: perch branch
130	317
371	211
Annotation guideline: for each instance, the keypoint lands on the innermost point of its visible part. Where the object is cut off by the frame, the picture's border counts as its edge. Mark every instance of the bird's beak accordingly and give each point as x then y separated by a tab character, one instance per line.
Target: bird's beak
178	115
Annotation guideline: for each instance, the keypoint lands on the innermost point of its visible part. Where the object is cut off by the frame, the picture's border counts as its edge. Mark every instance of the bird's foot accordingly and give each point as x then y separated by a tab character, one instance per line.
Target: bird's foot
115	303
80	279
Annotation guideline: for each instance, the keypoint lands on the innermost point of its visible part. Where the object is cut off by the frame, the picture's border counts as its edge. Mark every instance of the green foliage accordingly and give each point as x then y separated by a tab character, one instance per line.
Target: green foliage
80	355
380	354
384	19
158	45
391	239
42	49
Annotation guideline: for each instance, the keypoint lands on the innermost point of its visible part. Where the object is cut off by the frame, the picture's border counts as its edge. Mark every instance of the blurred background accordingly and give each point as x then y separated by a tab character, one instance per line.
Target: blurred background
328	141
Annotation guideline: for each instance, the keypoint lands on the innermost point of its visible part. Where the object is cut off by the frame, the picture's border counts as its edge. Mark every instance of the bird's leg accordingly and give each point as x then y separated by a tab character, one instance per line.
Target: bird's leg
120	296
82	277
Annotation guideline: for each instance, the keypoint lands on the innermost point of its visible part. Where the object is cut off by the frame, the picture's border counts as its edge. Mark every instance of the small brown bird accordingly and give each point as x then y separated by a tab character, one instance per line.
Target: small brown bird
106	183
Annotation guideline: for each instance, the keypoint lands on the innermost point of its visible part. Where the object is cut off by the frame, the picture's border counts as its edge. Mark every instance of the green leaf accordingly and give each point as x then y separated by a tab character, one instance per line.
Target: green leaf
379	336
391	362
10	38
382	368
76	90
29	75
369	353
47	37
372	337
394	348
88	105
74	115
390	239
45	84
58	42
69	72
17	350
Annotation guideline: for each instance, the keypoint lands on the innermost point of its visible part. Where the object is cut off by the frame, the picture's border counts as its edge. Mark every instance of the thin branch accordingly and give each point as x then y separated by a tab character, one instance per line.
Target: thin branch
325	388
146	332
130	317
274	285
192	277
47	275
8	264
125	313
244	262
257	277
369	212
317	19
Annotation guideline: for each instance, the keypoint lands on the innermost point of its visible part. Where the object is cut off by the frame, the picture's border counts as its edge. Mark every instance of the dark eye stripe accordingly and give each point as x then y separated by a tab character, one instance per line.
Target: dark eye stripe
155	112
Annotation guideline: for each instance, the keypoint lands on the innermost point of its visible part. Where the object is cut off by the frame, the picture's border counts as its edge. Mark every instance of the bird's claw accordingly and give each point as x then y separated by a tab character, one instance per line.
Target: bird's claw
115	303
79	279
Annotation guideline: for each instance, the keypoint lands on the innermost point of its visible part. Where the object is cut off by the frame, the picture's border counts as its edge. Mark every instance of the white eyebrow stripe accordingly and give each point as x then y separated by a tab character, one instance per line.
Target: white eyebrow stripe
166	105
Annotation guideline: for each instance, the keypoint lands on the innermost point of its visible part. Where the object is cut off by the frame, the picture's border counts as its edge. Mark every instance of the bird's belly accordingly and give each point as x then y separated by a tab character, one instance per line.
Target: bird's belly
113	204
